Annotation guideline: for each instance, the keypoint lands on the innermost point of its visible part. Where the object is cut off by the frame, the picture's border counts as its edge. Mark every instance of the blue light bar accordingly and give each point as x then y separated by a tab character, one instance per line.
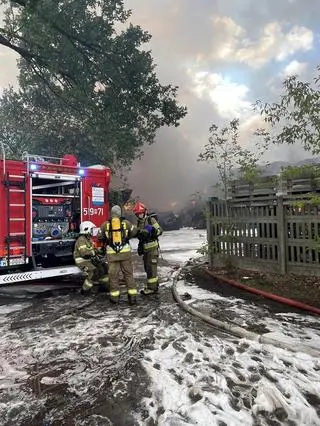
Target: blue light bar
33	167
81	172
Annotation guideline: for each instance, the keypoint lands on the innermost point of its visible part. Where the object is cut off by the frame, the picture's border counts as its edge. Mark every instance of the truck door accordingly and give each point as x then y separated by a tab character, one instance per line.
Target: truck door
94	202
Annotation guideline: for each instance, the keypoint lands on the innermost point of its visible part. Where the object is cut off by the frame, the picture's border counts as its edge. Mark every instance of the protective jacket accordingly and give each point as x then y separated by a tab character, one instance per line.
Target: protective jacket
83	254
115	234
83	249
149	242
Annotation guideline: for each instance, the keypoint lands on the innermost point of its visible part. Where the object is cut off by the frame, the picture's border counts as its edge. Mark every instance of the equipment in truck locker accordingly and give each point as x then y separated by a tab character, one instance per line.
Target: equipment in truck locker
43	200
51	218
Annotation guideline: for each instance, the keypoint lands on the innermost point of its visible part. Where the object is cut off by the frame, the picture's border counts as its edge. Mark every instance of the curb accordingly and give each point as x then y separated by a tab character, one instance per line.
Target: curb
239	331
267	295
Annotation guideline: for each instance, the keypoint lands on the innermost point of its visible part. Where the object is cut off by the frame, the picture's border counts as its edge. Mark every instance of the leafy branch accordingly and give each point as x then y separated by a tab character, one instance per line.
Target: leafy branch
229	157
295	118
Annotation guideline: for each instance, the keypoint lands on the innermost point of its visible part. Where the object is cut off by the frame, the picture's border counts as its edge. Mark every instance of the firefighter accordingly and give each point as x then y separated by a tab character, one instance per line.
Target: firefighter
85	257
150	231
116	233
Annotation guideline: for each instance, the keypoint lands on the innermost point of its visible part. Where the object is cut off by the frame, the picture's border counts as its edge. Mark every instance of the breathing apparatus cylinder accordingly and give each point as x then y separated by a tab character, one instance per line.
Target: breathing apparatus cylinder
116	231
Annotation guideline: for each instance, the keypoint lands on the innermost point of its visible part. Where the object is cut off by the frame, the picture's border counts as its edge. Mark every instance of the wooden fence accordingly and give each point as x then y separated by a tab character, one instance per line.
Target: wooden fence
262	229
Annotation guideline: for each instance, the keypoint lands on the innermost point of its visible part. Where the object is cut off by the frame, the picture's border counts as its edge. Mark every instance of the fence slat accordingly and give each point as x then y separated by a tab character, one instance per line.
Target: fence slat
268	231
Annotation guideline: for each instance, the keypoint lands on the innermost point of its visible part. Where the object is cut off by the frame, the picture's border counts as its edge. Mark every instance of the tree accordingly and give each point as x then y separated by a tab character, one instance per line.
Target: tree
83	84
228	156
230	159
295	118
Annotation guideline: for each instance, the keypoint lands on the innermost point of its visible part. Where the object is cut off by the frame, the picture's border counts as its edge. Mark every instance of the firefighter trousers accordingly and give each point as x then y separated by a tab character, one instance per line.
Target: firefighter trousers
116	263
150	262
90	272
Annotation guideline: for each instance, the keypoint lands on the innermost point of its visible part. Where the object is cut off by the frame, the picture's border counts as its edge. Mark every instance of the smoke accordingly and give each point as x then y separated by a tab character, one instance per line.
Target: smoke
169	172
224	55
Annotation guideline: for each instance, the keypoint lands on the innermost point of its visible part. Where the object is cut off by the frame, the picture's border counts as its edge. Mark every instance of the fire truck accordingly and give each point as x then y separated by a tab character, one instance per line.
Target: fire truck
43	200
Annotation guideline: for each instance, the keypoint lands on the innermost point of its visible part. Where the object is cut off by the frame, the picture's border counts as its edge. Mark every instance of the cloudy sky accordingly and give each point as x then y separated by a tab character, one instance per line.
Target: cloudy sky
224	55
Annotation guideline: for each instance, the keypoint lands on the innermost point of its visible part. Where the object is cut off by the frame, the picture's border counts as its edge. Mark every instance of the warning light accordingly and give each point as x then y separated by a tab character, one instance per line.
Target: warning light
81	172
33	167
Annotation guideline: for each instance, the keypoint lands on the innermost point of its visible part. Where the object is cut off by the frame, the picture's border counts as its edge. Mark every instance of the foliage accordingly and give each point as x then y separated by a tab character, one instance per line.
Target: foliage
204	249
298	204
300	172
86	83
311	199
295	118
315	199
119	197
227	154
251	175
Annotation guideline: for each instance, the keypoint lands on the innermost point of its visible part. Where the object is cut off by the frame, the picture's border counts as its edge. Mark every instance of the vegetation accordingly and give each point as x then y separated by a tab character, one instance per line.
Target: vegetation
251	175
295	118
231	160
229	157
301	172
87	86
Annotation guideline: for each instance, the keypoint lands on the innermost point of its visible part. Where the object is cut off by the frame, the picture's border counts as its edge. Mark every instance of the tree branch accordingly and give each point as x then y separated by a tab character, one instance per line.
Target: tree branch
22	3
26	54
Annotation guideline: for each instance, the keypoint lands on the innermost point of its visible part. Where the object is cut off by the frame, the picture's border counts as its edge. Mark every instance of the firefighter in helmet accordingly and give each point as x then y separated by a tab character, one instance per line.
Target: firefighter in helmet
115	234
86	258
148	246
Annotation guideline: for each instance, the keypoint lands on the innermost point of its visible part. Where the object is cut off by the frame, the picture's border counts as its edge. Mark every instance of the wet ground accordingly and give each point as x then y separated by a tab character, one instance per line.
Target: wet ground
80	361
248	310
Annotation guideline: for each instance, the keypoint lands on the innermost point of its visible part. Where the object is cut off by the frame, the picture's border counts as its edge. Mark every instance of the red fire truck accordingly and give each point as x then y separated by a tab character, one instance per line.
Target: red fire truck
43	200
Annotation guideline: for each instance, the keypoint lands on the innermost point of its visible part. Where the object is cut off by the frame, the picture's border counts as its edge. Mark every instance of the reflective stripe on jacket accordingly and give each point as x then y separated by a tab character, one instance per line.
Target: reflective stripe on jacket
125	249
105	235
83	248
151	245
152	242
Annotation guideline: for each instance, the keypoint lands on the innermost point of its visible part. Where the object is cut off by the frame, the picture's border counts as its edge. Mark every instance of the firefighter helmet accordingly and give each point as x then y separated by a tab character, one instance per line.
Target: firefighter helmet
86	227
115	211
139	208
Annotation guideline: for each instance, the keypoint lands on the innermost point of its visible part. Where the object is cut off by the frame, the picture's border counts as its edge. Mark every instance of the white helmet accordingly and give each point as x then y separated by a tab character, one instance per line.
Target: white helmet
85	227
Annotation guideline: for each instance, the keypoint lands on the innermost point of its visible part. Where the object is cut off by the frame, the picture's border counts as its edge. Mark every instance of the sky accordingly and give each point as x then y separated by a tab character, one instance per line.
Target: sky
223	55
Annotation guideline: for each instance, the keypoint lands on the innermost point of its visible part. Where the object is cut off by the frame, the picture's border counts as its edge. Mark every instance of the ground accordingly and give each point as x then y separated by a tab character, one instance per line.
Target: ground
305	289
78	361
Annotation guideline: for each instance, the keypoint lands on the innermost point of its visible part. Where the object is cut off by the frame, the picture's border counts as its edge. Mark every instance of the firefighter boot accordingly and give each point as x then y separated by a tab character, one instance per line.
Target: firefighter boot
132	299
132	296
104	285
86	286
114	296
147	291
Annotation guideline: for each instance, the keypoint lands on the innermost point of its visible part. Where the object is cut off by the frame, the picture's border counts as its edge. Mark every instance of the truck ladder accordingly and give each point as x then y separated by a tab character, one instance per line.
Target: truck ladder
16	212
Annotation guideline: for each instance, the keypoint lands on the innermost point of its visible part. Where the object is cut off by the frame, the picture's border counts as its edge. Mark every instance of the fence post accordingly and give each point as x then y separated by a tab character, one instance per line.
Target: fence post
209	234
282	236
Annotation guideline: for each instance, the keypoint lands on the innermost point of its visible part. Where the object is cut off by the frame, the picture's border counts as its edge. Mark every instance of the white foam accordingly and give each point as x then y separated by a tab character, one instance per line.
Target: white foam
199	374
